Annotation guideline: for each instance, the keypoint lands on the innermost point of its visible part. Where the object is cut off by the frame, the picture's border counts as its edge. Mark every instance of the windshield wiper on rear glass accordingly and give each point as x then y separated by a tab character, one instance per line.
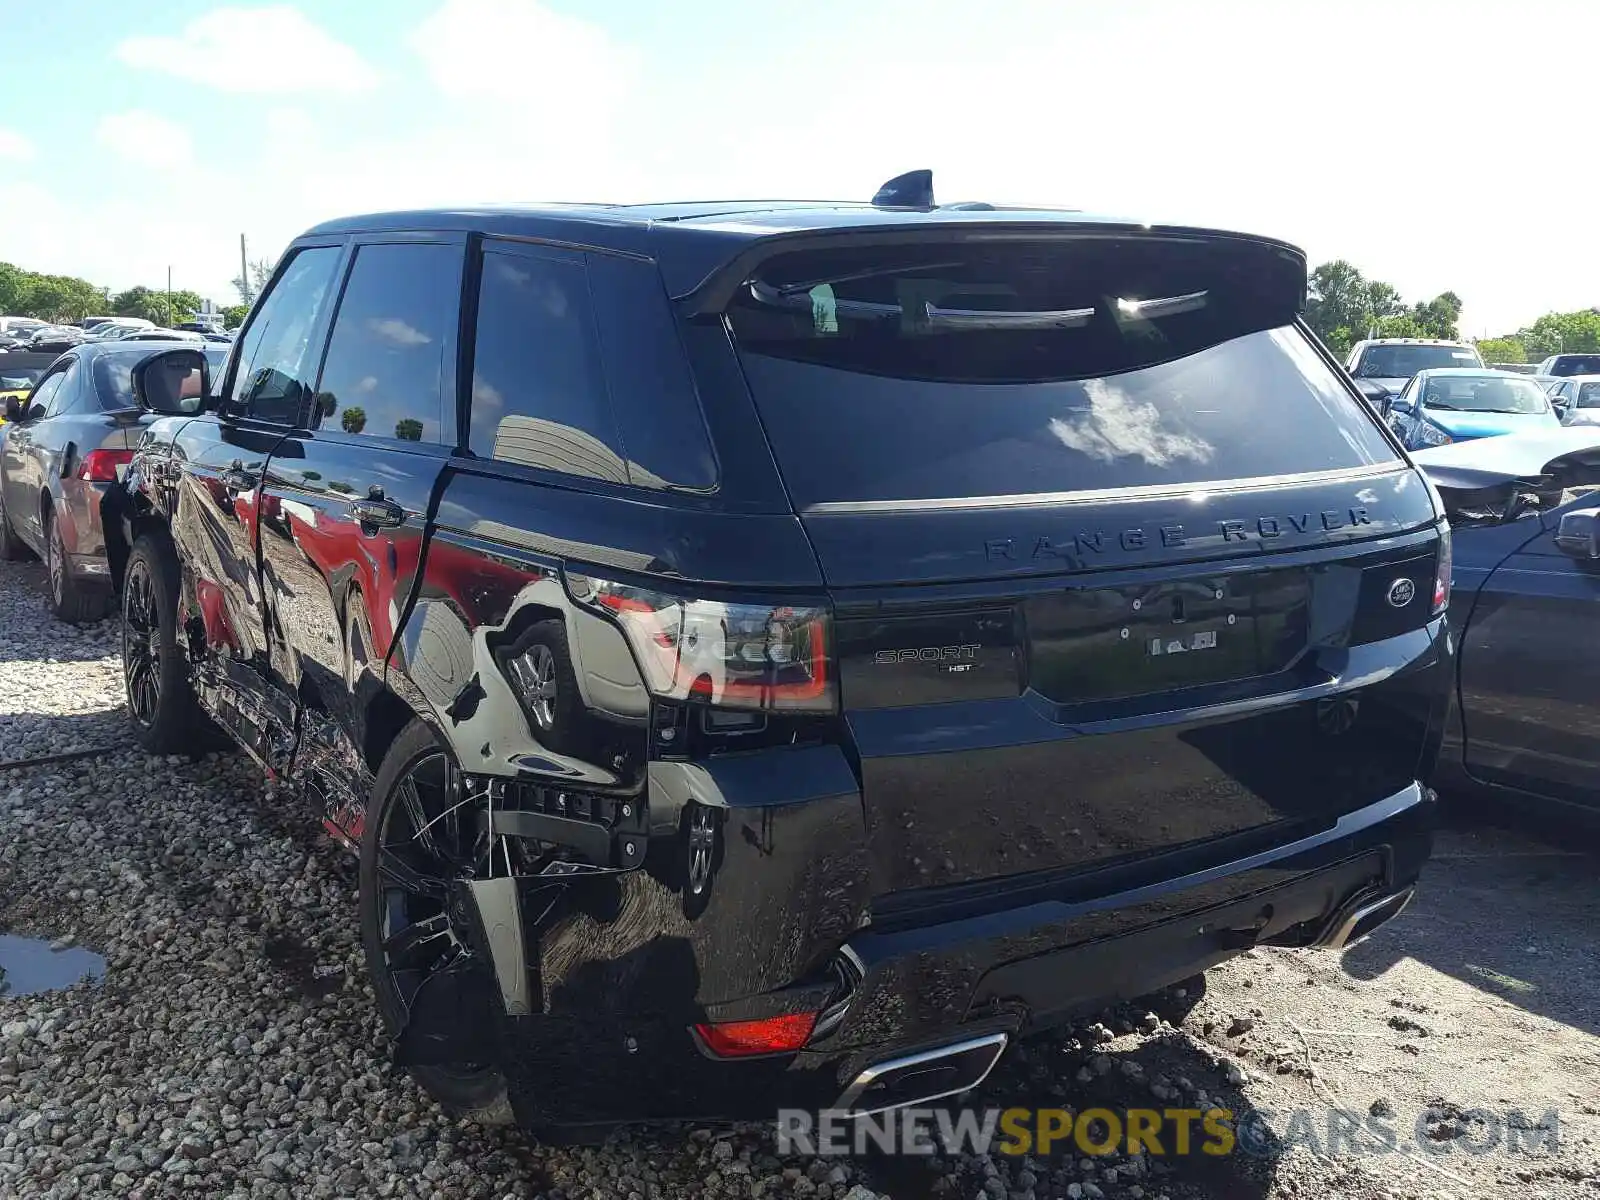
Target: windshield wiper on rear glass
933	317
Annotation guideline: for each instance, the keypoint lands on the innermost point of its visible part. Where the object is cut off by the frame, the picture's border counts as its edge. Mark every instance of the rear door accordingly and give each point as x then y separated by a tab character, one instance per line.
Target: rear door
345	499
223	455
1109	541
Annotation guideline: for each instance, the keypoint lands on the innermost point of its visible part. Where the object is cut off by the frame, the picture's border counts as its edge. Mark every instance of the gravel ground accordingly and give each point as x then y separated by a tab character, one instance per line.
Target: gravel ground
233	1048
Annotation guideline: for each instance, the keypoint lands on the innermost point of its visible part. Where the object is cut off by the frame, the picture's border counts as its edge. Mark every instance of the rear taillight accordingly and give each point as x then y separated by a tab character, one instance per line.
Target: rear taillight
764	656
1441	578
771	1035
100	466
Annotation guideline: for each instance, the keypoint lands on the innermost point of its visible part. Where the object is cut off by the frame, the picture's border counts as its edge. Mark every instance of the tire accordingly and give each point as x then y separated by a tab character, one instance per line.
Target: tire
71	600
540	666
12	548
161	701
471	1091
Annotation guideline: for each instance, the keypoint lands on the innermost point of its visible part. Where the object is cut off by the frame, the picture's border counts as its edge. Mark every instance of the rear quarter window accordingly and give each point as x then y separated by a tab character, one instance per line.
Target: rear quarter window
577	368
1029	370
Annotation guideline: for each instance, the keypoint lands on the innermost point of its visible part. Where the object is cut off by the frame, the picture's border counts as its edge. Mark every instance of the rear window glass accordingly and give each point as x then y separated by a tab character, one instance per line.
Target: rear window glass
113	375
1021	369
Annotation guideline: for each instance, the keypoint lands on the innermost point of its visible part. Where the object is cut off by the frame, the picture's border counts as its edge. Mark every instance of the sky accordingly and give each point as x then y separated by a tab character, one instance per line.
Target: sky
1424	142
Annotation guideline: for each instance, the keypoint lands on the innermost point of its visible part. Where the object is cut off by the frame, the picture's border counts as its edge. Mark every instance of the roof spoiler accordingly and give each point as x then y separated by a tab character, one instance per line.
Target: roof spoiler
914	189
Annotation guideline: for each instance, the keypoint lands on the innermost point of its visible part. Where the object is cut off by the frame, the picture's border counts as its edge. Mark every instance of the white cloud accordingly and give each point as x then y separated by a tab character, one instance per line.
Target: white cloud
560	68
144	138
1278	122
254	50
14	146
396	332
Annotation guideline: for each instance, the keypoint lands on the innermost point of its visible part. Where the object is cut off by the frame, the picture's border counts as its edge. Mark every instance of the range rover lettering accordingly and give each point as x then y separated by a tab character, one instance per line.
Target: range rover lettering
780	654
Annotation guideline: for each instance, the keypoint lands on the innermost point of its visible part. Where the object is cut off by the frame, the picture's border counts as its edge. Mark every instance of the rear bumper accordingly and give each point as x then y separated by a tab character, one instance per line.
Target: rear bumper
614	1042
83	532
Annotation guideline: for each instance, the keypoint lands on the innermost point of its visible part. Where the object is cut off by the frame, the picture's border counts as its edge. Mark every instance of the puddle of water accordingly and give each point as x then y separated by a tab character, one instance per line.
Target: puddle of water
29	965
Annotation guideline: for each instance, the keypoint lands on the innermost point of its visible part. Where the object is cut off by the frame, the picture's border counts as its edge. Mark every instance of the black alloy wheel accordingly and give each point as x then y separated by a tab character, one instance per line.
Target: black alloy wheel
71	599
141	644
155	671
422	840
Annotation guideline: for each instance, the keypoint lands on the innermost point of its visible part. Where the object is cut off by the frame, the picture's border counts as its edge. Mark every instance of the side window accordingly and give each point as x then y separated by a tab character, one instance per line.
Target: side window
385	362
648	379
538	393
275	356
69	397
44	396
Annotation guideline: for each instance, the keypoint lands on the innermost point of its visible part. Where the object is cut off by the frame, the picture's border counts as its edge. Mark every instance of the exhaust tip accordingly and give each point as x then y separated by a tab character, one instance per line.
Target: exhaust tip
922	1078
1361	919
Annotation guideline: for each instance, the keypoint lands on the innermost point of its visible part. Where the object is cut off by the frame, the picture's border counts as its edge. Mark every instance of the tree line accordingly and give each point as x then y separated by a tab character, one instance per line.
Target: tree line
64	298
1344	306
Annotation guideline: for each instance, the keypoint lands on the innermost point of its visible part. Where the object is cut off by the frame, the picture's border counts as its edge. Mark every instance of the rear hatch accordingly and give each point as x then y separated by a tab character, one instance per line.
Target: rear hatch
1110	543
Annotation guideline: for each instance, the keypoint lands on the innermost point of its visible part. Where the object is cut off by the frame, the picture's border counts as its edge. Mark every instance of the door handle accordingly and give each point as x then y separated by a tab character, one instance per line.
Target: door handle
377	511
237	479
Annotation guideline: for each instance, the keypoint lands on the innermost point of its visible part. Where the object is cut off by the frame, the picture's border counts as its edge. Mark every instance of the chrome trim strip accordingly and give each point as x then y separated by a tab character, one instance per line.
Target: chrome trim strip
873	1073
1101	495
1340	937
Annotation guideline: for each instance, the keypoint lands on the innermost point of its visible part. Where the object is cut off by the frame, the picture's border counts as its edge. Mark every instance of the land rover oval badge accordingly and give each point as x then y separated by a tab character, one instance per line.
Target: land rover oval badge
1401	591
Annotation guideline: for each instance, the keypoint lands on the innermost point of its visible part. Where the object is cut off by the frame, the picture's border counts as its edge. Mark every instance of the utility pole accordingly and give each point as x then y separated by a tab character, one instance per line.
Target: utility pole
244	272
169	295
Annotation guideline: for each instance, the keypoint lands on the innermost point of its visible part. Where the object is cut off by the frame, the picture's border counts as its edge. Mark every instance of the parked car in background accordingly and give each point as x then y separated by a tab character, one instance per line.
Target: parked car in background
115	328
56	338
1457	404
64	447
910	721
1525	610
18	374
19	327
1576	399
1391	362
161	335
1570	364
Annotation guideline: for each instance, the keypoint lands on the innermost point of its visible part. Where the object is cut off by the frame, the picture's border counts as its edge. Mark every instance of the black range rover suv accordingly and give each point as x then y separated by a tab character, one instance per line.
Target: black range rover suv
776	654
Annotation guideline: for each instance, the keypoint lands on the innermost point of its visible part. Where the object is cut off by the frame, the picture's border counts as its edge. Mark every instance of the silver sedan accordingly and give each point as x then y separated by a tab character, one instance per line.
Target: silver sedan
1577	399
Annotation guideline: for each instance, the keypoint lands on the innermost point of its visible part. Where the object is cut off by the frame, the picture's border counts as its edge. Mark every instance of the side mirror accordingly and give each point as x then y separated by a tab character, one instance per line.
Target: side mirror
1400	404
1579	534
174	383
13	409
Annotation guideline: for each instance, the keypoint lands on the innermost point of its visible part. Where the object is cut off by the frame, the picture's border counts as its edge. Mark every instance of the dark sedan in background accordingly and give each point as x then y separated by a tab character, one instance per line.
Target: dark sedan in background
61	449
1525	610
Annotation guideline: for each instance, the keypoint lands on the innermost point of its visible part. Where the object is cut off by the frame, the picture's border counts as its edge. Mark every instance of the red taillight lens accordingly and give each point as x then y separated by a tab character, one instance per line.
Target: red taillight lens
771	1035
736	655
1441	578
100	466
